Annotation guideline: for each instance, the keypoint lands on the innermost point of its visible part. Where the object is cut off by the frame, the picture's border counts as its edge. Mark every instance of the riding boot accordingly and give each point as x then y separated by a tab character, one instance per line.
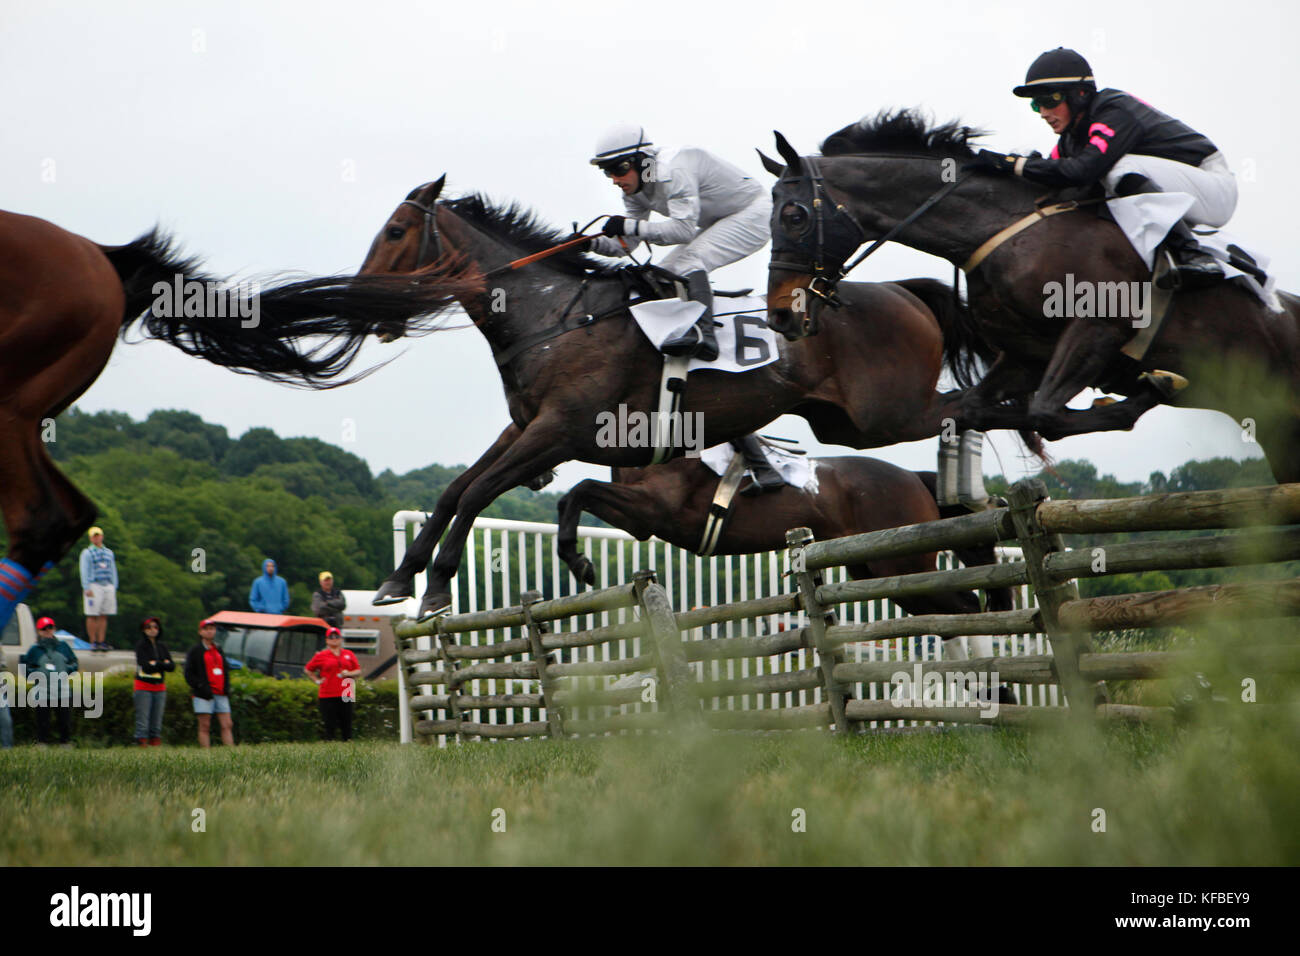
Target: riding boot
698	341
1193	268
766	478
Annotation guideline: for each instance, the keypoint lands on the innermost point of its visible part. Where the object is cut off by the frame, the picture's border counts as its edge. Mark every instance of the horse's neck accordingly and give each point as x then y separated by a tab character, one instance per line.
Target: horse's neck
520	303
953	228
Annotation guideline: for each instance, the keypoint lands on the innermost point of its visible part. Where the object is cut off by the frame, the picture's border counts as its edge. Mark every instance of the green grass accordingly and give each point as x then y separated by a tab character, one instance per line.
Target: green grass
1221	791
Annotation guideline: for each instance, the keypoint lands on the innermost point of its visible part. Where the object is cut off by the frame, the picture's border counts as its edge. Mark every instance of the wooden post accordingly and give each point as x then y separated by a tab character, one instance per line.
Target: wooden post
664	636
448	667
554	720
1037	543
819	618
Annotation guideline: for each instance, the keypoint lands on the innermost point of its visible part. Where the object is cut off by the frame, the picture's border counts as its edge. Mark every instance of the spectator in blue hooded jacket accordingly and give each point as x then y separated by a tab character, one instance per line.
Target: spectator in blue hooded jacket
269	594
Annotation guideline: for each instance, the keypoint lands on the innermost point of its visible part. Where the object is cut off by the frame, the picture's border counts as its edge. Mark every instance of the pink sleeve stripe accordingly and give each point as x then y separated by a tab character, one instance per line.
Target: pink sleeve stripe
1102	128
1100	143
1056	152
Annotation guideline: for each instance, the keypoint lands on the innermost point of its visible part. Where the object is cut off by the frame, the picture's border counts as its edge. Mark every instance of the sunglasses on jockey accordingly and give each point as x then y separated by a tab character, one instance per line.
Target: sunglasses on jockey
616	167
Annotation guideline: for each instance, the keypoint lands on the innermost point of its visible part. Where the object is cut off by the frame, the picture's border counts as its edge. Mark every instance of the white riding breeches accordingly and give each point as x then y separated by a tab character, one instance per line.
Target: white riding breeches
728	240
1211	185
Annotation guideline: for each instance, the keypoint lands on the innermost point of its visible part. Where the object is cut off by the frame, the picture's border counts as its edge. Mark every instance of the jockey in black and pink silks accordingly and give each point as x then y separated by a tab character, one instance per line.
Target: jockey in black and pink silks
1130	147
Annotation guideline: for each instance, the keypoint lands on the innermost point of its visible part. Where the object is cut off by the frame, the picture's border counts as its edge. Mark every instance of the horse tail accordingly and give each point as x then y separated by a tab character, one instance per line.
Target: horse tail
299	333
965	353
999	599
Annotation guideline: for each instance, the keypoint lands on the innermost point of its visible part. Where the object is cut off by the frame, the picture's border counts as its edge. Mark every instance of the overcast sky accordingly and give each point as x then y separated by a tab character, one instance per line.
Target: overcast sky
273	137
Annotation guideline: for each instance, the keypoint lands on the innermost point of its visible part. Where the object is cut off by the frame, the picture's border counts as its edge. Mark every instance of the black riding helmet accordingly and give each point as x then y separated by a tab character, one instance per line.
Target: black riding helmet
1059	74
1058	69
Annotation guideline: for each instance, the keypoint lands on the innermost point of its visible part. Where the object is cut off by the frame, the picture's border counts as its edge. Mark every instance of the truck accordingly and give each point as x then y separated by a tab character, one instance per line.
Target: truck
20	634
281	645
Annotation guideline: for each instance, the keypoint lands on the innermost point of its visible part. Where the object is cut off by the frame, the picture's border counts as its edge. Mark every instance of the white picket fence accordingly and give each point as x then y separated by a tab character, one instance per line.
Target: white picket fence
506	558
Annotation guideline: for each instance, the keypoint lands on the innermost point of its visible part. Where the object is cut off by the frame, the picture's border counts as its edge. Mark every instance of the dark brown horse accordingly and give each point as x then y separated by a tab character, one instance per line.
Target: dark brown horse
557	387
64	300
1241	358
853	495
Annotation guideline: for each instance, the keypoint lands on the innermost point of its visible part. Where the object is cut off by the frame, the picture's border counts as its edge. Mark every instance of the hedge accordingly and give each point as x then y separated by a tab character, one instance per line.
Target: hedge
264	710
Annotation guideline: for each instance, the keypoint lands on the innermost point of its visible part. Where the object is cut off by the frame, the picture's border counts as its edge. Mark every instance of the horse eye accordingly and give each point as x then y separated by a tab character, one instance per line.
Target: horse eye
794	217
396	232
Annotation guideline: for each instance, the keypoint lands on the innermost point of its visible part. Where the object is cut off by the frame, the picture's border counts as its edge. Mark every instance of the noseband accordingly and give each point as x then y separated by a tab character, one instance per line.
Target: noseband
429	236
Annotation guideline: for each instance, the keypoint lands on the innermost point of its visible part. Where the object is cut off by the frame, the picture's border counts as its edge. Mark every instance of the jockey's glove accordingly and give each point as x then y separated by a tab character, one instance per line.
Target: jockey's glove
987	161
615	226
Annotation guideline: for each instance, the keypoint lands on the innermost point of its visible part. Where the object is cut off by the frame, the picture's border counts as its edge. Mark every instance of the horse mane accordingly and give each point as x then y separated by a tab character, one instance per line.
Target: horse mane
517	225
905	132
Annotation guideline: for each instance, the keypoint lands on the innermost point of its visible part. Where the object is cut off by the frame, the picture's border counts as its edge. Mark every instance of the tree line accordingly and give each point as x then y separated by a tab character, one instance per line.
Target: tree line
191	512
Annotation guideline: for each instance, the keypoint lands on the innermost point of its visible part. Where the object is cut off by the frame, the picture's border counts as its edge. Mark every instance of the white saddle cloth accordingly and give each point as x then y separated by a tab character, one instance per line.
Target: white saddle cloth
1147	218
800	471
744	340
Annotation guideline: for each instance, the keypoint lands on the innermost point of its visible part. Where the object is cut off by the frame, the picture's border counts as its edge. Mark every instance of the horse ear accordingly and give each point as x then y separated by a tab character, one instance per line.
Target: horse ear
770	164
786	150
428	193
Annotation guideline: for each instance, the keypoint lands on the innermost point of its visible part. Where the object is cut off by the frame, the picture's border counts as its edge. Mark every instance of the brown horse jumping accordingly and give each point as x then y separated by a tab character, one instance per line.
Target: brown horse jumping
557	387
1241	358
66	300
853	495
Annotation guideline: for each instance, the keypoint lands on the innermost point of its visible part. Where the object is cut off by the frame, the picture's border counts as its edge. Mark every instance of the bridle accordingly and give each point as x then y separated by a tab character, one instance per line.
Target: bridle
811	260
429	236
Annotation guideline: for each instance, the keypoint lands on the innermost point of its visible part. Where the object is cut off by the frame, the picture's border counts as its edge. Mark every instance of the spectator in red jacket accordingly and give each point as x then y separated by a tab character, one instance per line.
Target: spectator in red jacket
208	673
335	671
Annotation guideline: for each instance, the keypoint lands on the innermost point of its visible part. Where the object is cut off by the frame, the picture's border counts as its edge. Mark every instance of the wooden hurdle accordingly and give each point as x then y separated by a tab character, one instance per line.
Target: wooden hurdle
668	683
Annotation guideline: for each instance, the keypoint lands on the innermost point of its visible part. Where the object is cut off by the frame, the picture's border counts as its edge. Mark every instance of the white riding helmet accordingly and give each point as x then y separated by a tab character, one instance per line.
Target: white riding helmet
621	140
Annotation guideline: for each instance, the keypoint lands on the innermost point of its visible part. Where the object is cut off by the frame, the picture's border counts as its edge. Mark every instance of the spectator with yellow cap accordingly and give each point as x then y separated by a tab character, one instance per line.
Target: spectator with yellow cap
328	602
99	589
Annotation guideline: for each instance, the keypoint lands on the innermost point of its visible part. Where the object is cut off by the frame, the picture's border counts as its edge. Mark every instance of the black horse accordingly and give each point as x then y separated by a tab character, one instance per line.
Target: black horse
1241	358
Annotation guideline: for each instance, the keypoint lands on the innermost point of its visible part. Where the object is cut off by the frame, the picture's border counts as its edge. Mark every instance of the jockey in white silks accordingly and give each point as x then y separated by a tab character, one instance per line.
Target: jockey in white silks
715	215
1129	146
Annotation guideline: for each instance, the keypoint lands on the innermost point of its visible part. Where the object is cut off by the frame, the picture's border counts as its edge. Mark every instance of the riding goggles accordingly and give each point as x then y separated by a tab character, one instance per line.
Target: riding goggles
1047	101
616	167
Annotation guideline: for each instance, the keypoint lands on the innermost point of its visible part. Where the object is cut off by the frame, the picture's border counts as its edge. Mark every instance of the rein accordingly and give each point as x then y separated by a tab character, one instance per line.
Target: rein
824	280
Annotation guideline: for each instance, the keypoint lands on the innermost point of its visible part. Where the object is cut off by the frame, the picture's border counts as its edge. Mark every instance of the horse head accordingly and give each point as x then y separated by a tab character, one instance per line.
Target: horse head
410	240
812	238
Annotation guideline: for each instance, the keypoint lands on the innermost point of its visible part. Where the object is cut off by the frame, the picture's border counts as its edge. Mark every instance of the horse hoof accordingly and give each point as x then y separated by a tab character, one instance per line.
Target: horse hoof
392	592
584	571
1006	695
1167	383
433	604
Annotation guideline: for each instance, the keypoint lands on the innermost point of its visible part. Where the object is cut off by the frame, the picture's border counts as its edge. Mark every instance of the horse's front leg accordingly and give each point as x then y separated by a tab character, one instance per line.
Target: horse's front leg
397	587
1086	351
539	447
